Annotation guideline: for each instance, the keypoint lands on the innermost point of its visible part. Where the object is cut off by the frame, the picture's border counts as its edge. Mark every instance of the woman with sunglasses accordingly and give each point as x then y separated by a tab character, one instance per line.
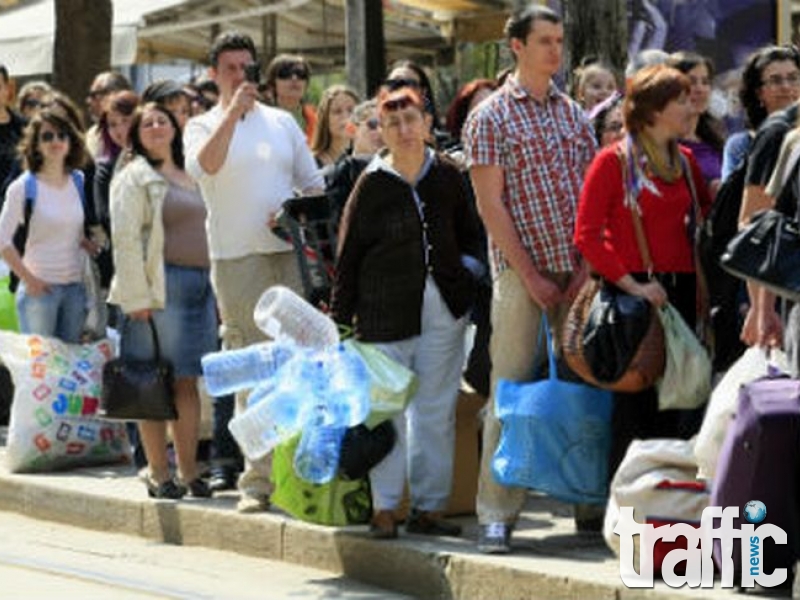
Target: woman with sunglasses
408	242
287	82
162	277
51	297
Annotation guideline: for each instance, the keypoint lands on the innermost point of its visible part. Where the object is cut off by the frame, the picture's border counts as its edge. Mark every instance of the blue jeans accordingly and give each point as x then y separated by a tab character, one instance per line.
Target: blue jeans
60	313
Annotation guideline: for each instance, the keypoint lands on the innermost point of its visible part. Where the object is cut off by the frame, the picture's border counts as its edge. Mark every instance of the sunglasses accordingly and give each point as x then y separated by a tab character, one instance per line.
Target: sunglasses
95	94
49	136
31	103
287	71
372	124
397	83
397	104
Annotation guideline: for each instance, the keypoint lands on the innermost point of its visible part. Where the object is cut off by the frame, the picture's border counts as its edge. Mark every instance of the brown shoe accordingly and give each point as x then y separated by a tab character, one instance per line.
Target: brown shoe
383	526
431	523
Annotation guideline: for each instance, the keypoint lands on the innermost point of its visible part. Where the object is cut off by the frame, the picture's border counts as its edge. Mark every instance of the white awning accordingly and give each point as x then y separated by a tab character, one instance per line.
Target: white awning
27	34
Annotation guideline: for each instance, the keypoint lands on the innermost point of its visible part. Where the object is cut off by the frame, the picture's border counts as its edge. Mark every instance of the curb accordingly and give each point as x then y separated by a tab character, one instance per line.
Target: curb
555	565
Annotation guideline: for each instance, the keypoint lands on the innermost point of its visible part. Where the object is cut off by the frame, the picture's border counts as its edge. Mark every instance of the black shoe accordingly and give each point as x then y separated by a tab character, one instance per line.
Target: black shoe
168	490
199	488
222	478
431	523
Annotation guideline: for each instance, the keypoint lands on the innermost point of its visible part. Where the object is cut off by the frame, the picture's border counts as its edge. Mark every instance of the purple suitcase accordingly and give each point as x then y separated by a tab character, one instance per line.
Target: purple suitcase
760	460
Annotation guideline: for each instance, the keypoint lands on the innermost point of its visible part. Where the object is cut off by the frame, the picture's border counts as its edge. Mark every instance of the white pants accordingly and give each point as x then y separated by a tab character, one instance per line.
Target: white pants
426	430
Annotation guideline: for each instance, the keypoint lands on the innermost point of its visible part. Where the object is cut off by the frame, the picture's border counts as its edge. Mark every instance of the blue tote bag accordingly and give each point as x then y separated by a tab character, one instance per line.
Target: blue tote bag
555	436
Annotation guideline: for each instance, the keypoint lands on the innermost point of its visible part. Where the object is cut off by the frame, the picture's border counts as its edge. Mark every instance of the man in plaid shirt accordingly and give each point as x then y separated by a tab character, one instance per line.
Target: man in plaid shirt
527	147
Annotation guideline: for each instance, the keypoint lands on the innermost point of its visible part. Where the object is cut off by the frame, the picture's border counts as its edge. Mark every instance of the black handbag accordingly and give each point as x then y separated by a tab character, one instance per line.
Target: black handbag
767	252
612	339
139	390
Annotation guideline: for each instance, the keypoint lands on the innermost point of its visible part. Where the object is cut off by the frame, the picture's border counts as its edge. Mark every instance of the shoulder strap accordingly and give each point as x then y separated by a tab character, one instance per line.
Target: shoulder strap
78	180
638	228
30	197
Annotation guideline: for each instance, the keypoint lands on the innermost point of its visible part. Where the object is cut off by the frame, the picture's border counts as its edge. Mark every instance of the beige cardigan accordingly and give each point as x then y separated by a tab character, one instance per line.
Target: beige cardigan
137	231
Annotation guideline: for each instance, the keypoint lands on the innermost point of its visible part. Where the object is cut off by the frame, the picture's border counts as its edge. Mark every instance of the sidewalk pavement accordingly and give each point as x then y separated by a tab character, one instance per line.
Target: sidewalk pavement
550	561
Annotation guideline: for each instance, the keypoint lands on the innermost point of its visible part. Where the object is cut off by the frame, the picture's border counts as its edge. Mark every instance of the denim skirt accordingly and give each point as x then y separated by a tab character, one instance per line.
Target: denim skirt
187	327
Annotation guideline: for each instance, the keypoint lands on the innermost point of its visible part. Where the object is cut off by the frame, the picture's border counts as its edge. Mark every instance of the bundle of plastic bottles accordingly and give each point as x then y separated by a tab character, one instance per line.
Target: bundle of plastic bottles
303	381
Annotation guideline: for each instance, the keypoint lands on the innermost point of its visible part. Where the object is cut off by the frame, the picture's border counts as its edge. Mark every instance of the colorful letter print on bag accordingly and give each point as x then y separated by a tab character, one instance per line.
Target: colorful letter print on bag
57	391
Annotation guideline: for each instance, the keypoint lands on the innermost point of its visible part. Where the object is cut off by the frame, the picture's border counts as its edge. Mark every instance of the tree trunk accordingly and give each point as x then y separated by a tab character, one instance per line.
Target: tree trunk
82	46
598	28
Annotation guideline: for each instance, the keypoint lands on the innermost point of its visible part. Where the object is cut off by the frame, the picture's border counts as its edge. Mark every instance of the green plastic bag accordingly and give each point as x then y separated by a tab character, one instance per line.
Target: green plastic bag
687	377
8	307
393	385
336	503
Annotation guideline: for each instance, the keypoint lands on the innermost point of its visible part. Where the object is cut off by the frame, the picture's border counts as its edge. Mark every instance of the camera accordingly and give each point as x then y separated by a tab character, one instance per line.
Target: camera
252	72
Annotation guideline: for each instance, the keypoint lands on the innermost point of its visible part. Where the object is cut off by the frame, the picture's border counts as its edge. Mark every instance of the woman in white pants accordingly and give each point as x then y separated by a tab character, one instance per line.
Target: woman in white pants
406	274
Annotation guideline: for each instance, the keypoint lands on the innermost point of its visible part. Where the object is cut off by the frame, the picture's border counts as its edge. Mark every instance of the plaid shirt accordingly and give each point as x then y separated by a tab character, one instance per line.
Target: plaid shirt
544	149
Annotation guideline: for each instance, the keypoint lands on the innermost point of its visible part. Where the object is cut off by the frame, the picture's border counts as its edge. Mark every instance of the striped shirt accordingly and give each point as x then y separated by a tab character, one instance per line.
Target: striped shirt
544	149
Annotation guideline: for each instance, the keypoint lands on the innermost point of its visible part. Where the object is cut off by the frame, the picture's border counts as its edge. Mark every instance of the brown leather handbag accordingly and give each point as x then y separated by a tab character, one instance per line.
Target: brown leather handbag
611	339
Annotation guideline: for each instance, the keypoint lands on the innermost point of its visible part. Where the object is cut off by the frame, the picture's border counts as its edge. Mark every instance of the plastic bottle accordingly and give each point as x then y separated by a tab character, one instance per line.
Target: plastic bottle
348	386
317	456
282	314
272	416
233	370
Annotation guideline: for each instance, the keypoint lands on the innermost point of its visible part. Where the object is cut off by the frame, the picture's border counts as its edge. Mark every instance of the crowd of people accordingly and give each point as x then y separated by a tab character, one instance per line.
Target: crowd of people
496	213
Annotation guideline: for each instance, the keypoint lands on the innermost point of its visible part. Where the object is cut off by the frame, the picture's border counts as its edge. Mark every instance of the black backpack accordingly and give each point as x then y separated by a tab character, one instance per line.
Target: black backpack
724	290
722	222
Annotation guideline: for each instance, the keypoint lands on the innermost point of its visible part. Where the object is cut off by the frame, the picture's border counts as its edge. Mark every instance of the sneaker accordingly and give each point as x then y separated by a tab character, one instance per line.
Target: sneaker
431	523
252	504
494	538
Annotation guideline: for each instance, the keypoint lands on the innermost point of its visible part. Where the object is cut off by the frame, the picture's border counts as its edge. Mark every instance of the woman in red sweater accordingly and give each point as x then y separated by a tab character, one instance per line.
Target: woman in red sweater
657	112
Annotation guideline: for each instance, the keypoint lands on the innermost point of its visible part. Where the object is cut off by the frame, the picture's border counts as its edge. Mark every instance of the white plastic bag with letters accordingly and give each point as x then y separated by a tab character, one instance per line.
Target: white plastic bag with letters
56	396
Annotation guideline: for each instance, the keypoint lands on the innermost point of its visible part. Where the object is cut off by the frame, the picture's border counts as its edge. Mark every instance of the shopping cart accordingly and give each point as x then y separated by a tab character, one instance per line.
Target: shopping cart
309	224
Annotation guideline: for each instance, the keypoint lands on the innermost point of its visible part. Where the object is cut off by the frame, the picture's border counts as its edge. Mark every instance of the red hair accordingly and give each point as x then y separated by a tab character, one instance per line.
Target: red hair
402	97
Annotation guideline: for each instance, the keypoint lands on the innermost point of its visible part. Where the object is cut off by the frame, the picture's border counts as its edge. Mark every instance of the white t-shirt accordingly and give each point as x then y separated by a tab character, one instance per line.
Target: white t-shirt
267	160
53	252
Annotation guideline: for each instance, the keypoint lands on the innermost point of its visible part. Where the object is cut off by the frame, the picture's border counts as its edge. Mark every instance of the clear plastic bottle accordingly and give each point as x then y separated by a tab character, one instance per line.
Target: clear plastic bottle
282	314
348	386
272	416
317	456
229	371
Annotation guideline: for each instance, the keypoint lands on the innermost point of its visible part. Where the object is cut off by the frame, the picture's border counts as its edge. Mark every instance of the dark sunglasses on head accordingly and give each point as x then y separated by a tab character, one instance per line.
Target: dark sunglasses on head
398	104
287	71
399	82
49	136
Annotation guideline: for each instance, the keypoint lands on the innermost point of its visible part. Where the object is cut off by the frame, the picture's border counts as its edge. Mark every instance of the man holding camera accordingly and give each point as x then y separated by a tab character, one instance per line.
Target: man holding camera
248	158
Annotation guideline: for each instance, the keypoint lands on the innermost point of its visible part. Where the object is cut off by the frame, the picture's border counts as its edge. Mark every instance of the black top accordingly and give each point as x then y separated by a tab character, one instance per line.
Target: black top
766	146
381	268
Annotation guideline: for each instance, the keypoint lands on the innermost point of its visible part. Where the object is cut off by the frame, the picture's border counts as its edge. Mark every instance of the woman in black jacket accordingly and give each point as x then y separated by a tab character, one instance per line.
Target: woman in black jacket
405	281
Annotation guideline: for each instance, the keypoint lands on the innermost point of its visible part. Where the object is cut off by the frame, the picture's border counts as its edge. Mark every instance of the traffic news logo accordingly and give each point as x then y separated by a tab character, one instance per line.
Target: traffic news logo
700	544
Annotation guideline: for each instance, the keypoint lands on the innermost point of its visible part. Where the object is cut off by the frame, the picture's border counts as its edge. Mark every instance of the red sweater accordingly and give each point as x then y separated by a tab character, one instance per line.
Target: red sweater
604	230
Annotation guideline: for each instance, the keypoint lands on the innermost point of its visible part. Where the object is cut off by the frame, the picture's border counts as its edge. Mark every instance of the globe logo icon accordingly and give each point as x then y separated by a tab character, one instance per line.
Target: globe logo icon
755	511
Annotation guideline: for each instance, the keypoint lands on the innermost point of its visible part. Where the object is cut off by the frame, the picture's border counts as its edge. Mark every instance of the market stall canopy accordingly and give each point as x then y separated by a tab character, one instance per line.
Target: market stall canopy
161	30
